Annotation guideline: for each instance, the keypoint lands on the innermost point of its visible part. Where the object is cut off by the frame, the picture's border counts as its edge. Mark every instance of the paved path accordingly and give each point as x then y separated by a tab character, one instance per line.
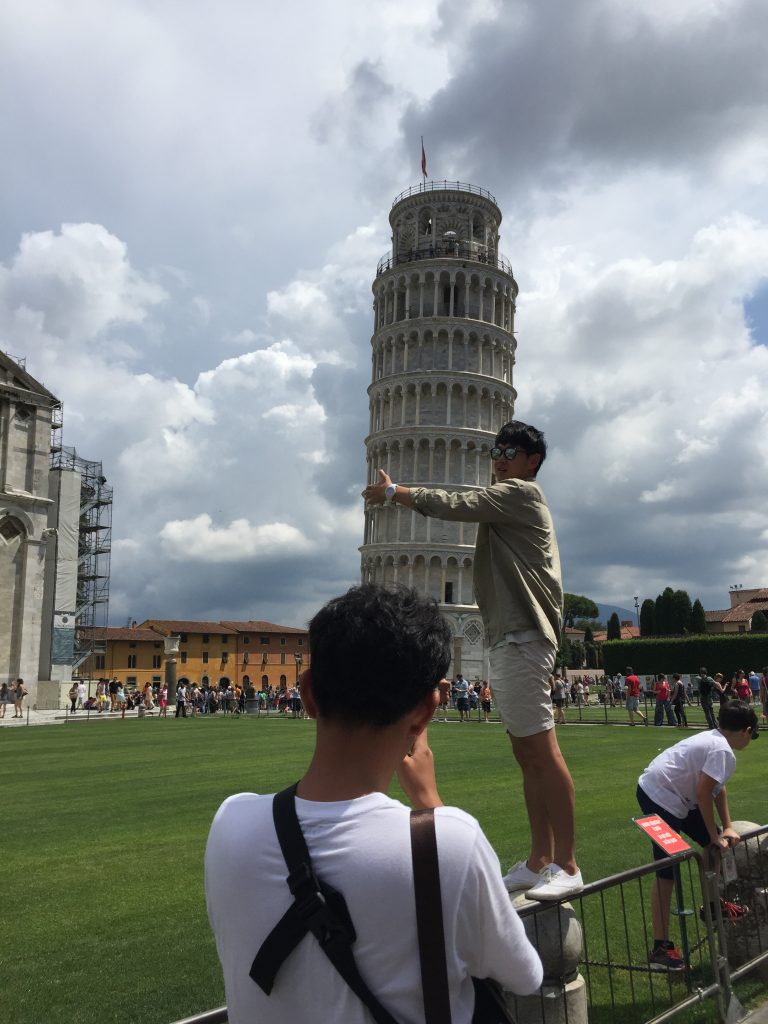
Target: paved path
35	717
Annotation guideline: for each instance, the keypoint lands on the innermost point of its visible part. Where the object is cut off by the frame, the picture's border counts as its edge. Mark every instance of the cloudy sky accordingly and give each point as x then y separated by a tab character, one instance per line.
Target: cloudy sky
195	199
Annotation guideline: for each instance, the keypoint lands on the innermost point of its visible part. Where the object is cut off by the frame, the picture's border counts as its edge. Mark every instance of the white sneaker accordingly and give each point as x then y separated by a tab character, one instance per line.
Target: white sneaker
555	884
520	877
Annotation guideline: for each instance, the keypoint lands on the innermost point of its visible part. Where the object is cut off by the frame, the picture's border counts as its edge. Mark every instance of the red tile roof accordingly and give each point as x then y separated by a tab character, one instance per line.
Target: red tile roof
258	626
742	612
625	633
121	633
167	626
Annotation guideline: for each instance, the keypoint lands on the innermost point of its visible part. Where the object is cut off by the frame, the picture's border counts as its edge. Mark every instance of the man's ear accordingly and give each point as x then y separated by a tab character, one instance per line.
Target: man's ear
424	712
307	694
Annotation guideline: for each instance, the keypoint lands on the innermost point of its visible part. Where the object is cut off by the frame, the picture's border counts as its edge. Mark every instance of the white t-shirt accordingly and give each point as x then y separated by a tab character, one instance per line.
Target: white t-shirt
670	780
362	848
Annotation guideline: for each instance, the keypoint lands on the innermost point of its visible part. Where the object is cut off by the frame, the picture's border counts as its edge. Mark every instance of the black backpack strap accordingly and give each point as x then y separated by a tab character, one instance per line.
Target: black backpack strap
429	918
317	907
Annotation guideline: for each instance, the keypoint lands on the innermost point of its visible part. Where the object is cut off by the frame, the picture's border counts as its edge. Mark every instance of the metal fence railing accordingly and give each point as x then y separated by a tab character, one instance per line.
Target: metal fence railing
595	949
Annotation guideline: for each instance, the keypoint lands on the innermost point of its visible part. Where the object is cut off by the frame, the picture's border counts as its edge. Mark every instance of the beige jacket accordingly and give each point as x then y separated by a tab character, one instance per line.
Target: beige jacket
517	564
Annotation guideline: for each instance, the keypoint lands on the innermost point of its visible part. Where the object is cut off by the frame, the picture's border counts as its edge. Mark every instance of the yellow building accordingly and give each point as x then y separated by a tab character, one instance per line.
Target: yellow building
133	656
253	653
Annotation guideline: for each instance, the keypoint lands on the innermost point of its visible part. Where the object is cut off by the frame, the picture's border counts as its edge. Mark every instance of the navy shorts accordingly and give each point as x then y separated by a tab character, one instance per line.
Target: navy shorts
692	825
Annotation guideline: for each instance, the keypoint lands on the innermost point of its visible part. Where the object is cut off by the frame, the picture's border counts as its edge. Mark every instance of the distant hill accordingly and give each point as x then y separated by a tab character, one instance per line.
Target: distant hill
625	614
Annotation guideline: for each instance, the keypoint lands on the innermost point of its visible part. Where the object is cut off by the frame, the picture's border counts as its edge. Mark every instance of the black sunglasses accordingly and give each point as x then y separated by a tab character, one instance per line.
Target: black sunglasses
506	453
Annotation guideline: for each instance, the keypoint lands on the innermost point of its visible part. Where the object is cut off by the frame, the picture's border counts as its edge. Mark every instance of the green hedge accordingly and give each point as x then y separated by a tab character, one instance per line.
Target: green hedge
721	652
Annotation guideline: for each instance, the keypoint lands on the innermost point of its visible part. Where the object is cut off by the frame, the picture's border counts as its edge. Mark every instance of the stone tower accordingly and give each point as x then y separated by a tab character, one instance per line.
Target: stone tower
441	386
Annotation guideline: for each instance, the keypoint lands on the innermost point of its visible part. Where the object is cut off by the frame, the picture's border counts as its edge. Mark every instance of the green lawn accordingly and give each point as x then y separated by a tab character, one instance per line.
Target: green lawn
104	827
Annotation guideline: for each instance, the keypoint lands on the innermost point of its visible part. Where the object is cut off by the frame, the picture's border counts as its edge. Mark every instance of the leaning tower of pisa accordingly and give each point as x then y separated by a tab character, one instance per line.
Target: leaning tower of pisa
441	386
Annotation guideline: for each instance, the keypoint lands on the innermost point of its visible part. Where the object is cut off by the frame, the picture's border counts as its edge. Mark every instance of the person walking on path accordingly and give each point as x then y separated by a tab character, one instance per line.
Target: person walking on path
663	706
678	700
4	698
519	592
633	696
181	701
485	700
19	693
559	698
707	690
462	698
72	694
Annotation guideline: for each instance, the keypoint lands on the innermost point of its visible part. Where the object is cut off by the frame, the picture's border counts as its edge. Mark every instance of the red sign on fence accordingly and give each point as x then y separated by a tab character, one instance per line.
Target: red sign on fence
660	832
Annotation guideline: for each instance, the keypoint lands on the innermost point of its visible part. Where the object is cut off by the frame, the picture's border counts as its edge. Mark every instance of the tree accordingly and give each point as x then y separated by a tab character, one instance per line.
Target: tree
664	612
680	612
648	618
759	622
577	605
564	654
577	654
594	624
699	619
614	627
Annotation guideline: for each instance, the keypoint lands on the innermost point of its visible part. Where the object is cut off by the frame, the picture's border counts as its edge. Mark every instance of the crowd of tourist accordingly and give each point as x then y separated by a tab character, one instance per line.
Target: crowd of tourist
191	699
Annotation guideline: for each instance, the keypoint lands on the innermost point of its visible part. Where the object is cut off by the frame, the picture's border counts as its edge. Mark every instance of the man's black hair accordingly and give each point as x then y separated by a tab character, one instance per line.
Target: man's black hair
375	653
736	715
628	670
702	671
516	433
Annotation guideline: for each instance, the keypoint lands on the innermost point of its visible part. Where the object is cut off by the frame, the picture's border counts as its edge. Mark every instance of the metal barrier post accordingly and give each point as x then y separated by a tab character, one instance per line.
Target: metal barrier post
681	912
728	1005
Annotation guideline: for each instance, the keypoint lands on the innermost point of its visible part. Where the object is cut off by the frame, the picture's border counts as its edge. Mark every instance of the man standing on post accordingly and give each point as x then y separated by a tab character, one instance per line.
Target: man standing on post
520	596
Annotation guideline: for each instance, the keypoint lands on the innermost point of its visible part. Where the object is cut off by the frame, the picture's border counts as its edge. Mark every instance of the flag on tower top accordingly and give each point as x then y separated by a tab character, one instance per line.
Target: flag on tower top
423	158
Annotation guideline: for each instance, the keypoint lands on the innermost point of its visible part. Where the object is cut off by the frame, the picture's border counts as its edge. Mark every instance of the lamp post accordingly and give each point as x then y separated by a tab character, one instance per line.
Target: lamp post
637	610
298	658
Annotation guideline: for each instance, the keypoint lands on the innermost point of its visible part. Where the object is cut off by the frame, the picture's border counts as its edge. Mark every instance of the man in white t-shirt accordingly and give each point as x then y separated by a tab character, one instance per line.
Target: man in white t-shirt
358	838
685	784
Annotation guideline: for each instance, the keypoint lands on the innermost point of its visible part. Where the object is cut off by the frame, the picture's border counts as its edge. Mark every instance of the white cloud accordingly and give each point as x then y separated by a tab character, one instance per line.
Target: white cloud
205	312
74	285
199	540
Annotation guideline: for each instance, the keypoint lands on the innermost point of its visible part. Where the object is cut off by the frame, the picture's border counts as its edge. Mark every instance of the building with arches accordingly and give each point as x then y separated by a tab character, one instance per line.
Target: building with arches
55	539
26	416
443	351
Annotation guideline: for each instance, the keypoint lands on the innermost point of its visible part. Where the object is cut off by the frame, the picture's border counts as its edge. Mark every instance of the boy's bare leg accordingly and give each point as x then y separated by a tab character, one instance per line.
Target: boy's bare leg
549	800
661	901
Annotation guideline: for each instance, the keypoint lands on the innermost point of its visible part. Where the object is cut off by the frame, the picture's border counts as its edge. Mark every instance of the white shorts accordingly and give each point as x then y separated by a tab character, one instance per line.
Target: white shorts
520	683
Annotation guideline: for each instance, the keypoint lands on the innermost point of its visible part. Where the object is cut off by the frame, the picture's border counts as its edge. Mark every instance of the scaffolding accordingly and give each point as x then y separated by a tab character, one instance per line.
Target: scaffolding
57	425
94	547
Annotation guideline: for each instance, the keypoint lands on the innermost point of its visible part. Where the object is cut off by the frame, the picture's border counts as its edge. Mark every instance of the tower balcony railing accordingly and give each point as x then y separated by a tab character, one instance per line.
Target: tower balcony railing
444	186
454	249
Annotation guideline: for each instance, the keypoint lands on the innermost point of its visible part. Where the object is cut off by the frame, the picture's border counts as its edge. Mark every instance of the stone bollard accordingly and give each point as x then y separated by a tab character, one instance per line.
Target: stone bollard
748	937
555	931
